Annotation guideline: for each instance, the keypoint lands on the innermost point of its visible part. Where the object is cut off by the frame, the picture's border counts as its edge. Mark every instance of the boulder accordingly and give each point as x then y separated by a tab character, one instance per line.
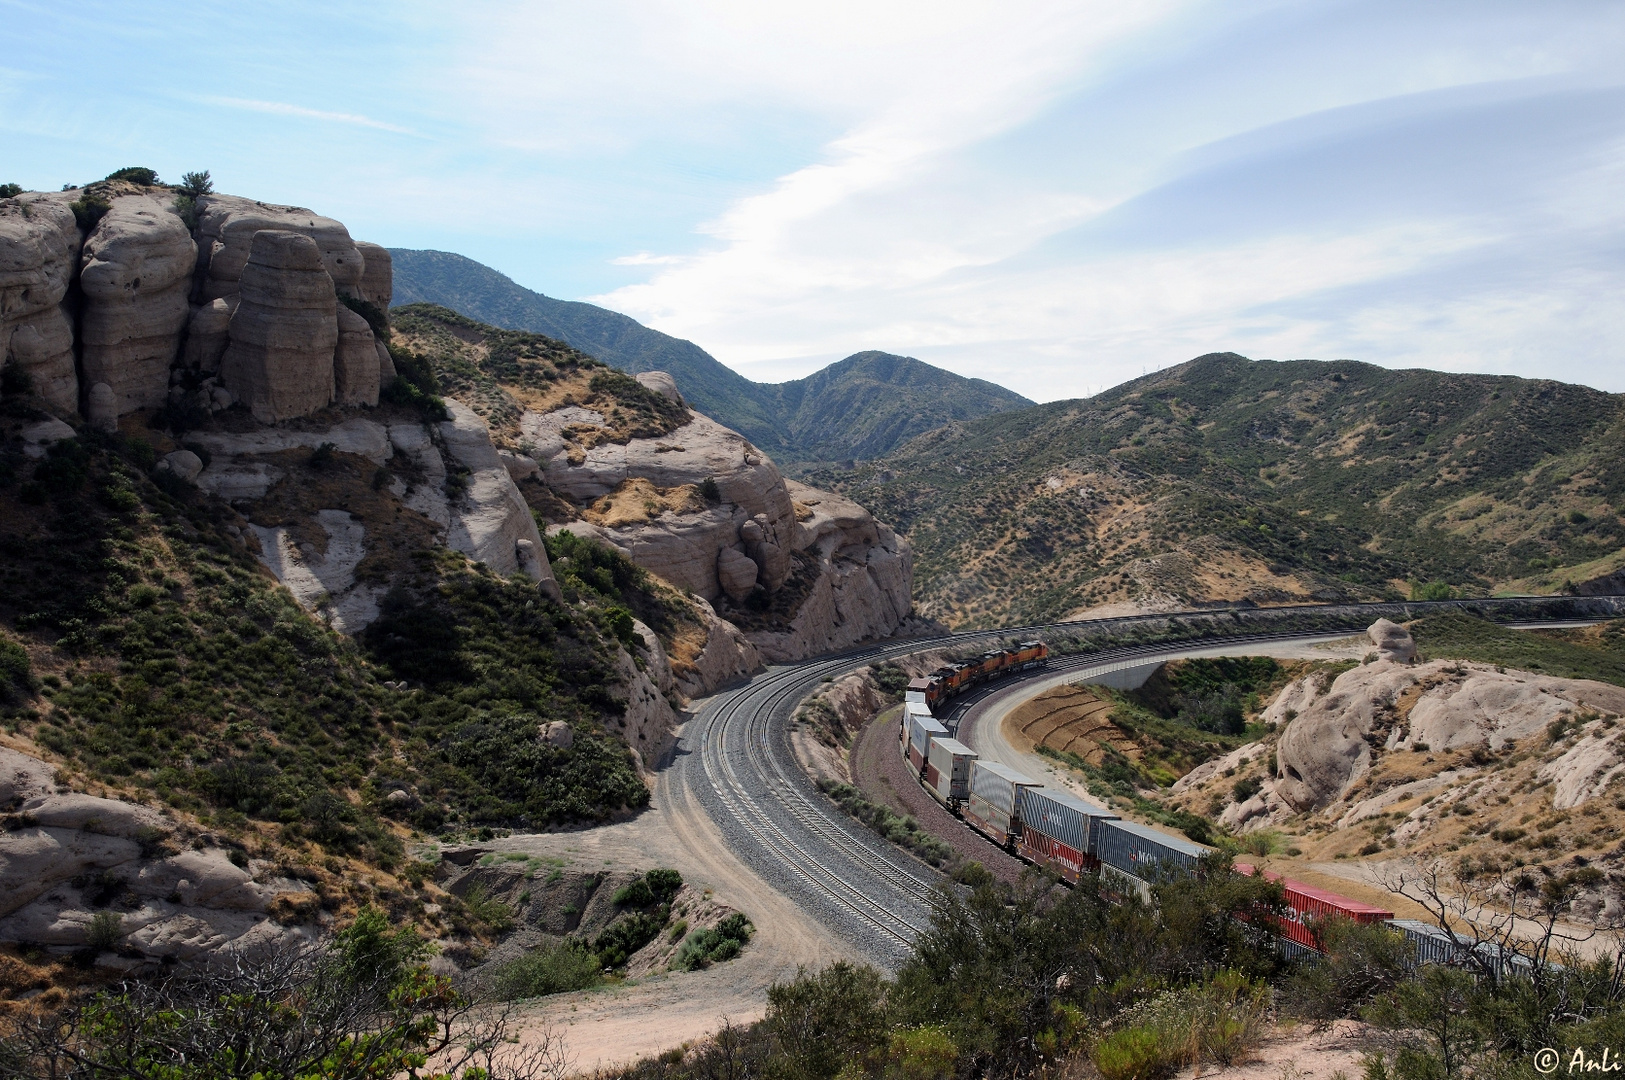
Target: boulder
491	517
386	366
22	778
87	813
355	363
661	383
135	272
101	408
284	332
183	464
736	573
1393	641
39	258
557	733
207	336
38	436
519	466
377	285
226	228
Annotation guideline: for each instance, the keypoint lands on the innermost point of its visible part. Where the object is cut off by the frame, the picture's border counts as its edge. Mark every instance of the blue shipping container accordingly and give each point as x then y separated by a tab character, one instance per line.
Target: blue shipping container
1141	850
921	731
1062	816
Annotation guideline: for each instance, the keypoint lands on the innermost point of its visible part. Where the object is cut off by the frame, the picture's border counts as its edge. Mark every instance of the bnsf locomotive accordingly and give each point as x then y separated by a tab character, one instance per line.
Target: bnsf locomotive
949	681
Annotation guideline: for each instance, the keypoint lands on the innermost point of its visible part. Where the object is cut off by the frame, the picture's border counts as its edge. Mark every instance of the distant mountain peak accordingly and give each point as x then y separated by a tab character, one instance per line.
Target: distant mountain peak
831	415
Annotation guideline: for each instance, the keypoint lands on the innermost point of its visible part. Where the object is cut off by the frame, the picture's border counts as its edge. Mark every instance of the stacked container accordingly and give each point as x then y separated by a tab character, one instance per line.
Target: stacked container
921	730
993	806
947	770
1144	852
1060	830
1308	906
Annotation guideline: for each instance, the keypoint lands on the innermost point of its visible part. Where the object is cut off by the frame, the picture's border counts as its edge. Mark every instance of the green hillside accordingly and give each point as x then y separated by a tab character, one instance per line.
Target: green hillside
862	407
1226	479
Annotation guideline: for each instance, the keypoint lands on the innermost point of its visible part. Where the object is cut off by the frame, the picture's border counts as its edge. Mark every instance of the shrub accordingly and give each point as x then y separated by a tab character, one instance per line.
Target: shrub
547	970
664	883
16	670
626	935
196	184
1135	1053
620	624
1361	963
89	210
706	947
636	895
1432	590
10	191
136	174
487	908
106	930
709	490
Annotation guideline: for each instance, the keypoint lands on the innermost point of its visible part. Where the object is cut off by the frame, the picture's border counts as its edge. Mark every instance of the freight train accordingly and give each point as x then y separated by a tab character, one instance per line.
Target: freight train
940	687
1052	828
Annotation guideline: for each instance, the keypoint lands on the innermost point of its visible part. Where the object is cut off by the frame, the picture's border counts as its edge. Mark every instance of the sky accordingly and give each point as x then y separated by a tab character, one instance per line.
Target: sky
1056	196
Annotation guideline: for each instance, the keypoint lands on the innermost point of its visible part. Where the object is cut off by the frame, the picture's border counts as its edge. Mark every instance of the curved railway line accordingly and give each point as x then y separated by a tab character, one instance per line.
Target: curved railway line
735	758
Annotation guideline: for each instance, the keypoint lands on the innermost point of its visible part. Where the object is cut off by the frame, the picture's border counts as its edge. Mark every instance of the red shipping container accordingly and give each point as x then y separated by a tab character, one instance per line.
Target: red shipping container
931	775
1068	861
1308	906
914	757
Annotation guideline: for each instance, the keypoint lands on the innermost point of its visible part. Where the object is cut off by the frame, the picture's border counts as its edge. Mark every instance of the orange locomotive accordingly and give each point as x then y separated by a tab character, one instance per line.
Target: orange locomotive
949	681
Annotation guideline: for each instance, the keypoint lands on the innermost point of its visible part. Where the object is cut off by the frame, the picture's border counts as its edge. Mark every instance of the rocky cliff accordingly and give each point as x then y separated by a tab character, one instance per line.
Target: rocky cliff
796	570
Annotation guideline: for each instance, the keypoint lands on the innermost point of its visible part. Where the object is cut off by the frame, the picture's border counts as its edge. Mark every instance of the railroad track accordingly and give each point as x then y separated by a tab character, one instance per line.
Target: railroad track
735	758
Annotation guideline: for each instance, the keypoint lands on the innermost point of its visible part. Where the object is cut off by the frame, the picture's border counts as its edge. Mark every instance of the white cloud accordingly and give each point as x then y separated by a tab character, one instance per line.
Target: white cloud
279	108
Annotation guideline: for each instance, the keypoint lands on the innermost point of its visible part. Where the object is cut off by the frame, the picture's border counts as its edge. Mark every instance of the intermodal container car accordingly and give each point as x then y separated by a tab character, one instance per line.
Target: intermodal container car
948	770
997	784
1057	830
989	820
1143	851
1309	906
922	729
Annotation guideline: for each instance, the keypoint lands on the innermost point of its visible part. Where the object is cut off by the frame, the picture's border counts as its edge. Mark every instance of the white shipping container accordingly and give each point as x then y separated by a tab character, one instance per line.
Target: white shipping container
997	784
952	760
990	818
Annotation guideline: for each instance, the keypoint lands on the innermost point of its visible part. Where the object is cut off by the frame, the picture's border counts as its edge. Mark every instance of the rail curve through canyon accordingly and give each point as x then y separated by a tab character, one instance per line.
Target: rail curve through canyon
735	758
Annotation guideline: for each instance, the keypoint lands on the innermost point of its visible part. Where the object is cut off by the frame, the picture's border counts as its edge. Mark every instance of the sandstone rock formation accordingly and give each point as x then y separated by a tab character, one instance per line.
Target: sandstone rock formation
207	336
377	285
486	518
1389	706
851	575
226	228
136	273
1393	641
355	362
39	259
284	331
75	852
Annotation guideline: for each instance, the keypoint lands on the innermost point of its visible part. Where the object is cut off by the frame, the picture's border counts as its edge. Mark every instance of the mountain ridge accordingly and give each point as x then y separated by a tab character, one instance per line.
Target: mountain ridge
835	414
1225	479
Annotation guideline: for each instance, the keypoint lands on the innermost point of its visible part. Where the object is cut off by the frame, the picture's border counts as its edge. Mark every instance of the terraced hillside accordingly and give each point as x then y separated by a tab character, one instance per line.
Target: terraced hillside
1228	479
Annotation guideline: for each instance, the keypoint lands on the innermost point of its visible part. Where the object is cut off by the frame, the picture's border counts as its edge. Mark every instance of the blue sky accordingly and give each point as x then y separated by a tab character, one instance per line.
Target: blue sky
1056	196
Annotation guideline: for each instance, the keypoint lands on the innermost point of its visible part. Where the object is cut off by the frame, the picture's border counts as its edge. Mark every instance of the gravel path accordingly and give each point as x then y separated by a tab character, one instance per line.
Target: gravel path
881	772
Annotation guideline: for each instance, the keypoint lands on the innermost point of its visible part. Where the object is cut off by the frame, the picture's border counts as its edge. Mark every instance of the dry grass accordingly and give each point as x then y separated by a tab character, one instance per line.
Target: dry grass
636	501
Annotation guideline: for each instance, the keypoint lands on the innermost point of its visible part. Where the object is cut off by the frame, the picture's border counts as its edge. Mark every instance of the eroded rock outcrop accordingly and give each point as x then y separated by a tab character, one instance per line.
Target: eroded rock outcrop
78	857
355	362
284	331
39	259
838	576
226	228
1390	706
136	275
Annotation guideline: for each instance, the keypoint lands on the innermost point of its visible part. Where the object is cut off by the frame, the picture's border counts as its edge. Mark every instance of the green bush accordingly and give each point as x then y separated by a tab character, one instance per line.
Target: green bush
136	174
1136	1053
106	930
636	895
1361	963
713	946
617	942
196	184
16	669
547	970
1432	590
89	210
10	191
